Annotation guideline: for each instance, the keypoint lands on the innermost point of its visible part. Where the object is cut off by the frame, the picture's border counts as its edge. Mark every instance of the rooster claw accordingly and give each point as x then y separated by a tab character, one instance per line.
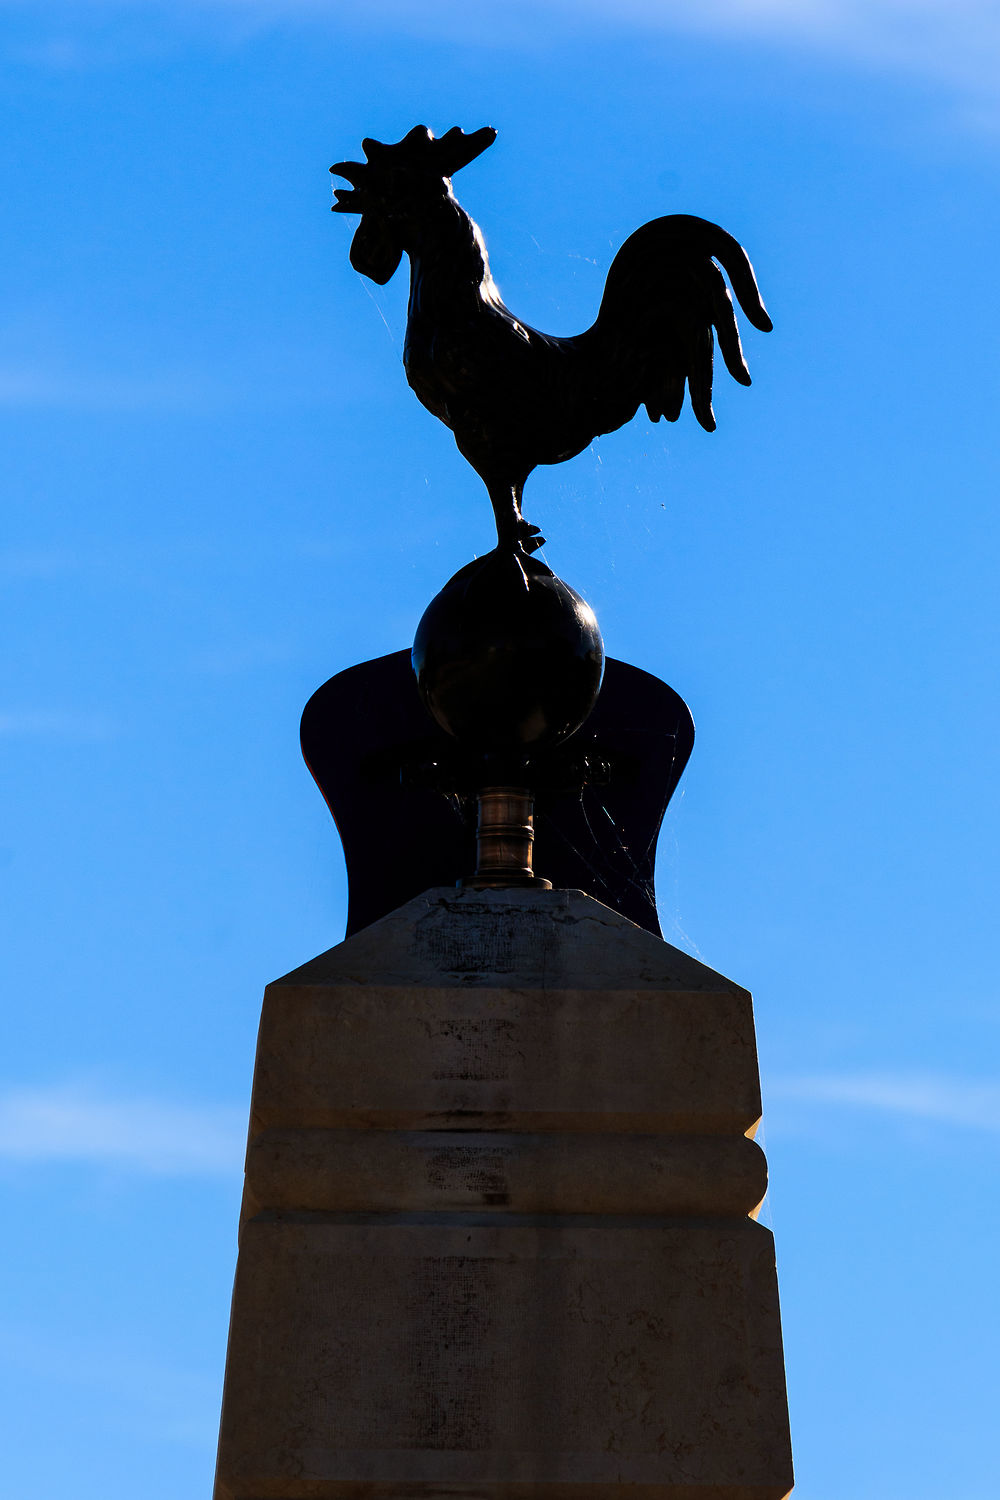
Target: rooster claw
530	537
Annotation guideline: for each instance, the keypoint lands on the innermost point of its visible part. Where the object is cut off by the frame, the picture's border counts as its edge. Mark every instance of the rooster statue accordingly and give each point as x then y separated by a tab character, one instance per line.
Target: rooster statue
514	397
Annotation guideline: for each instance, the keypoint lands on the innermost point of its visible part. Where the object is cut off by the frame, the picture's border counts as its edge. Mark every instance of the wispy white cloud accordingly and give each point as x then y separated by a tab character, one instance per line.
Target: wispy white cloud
53	389
76	1124
42	562
947	1100
55	724
953	40
58	54
39	387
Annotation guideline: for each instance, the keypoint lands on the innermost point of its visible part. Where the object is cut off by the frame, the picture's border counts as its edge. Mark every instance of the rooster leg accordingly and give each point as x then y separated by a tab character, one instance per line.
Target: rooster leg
512	529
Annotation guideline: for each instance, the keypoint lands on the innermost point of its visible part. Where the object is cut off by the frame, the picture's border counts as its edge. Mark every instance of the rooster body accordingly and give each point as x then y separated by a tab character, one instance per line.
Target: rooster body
514	397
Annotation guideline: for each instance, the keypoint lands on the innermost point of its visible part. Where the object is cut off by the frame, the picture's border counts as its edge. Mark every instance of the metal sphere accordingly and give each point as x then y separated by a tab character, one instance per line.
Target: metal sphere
508	657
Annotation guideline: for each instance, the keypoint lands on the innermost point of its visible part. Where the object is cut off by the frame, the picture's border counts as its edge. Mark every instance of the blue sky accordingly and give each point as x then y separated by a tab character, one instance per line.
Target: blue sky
219	491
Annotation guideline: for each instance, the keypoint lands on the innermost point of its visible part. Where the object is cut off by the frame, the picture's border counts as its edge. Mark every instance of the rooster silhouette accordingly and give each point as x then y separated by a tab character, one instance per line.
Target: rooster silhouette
513	397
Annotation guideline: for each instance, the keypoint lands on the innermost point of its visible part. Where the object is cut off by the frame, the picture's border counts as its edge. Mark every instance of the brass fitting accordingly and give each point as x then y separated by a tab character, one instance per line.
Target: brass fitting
505	833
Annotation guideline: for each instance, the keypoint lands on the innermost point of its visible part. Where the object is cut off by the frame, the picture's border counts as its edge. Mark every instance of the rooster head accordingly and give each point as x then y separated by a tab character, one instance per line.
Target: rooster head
393	186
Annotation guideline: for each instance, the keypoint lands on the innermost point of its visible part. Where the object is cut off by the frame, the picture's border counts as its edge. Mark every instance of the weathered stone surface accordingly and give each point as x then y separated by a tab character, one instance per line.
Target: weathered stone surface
540	1007
598	1353
517	937
352	1171
495	1241
408	1058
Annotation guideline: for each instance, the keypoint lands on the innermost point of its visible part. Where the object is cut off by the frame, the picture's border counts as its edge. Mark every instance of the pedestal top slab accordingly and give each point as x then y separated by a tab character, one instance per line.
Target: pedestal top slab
506	1010
495	939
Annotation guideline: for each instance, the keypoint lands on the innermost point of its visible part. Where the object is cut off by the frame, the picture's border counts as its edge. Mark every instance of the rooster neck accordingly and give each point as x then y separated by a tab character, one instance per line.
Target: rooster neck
448	259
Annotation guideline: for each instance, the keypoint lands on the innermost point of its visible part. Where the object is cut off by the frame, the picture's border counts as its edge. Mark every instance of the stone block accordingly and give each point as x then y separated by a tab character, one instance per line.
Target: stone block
463	1354
389	1171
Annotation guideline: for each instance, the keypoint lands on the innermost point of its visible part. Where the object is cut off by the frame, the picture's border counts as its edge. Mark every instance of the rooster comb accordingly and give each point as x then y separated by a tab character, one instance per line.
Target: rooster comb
420	151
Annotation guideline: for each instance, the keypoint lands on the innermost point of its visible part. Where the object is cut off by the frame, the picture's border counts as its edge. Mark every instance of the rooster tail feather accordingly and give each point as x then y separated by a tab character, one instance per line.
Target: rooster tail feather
724	322
736	263
667	399
664	303
700	378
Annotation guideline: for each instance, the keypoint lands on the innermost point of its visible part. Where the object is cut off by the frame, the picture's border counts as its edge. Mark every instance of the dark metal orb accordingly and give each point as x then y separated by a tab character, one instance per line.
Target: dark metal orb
508	657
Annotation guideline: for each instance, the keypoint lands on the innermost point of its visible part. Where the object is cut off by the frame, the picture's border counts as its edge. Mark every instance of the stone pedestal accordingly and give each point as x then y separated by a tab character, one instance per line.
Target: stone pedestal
498	1238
